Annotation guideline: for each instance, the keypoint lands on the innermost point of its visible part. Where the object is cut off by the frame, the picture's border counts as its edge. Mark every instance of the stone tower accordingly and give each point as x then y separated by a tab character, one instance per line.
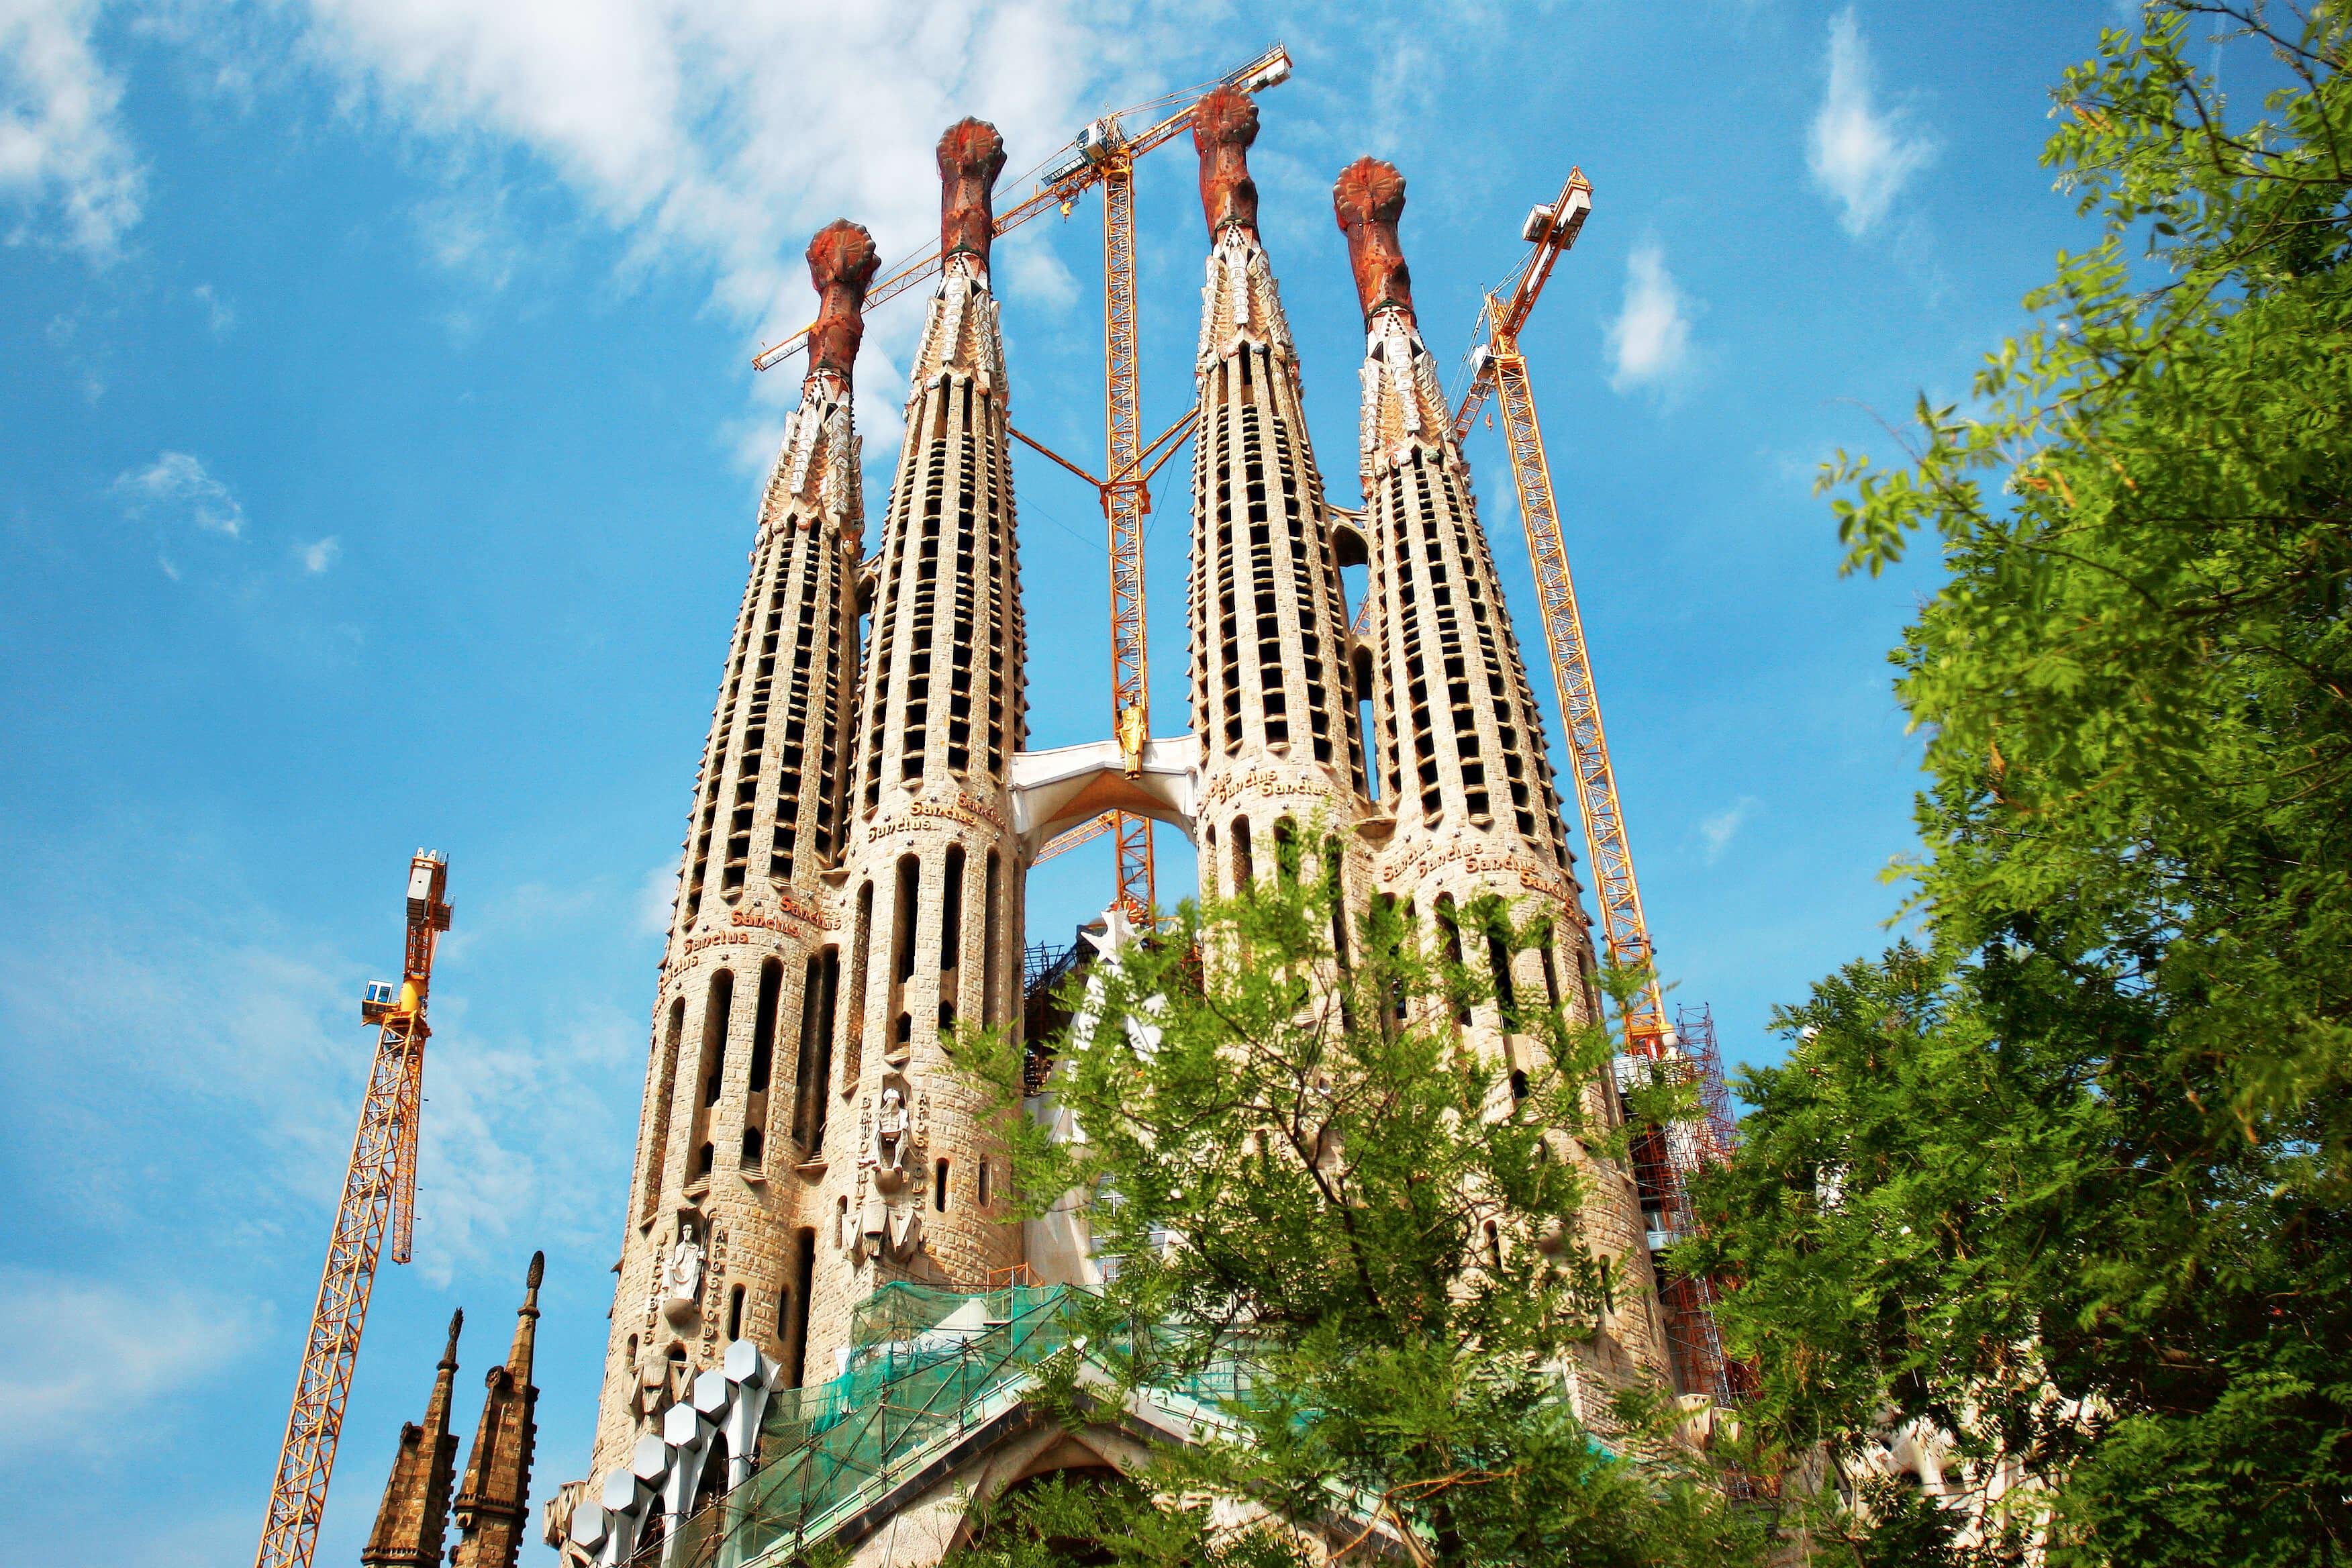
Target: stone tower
1273	690
1464	769
492	1503
932	881
416	1509
736	1120
852	887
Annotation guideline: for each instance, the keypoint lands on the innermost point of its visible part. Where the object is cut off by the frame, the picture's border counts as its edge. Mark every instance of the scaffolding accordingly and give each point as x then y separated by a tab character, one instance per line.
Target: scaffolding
1667	1156
1045	1004
926	1371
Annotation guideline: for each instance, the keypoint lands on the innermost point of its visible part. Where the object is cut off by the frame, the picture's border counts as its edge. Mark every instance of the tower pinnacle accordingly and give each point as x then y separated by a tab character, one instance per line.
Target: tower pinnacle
1225	123
415	1509
1368	199
841	262
972	154
496	1492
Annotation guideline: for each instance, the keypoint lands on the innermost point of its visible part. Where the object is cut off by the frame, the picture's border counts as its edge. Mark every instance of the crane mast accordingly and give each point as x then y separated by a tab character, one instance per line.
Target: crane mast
1624	927
379	1191
1664	1157
1125	501
1497	366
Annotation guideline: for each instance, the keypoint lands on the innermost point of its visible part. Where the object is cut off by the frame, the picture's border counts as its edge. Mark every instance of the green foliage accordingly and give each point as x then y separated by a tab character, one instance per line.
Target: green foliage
2072	1180
1303	1166
1092	1519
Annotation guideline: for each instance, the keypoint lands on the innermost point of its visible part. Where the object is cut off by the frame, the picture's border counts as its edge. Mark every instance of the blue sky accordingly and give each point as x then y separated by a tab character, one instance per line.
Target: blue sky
377	468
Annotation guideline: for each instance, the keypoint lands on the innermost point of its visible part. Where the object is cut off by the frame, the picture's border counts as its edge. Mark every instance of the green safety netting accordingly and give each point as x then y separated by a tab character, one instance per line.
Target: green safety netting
925	1367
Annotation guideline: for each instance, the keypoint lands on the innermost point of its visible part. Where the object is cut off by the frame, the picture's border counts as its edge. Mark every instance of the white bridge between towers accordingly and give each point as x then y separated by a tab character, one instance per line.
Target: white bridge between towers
1070	784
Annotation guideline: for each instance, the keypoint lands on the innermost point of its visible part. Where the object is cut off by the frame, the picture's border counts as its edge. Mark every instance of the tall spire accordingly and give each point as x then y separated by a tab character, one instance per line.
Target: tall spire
1462	743
409	1524
933	877
740	1113
1273	679
496	1496
1463	766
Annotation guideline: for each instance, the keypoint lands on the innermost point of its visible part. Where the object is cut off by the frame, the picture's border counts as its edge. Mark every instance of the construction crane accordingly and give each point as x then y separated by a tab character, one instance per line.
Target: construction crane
1664	1157
1497	365
1104	154
1086	832
379	1190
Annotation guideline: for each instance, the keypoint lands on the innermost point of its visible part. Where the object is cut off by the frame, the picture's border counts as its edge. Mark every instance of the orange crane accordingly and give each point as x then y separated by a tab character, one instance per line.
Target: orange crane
1497	366
1086	832
1103	153
379	1188
1663	1157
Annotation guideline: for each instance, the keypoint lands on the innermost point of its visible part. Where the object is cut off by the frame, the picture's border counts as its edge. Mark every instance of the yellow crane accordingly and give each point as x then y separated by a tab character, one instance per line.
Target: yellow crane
1497	366
1663	1157
379	1190
1104	154
1086	832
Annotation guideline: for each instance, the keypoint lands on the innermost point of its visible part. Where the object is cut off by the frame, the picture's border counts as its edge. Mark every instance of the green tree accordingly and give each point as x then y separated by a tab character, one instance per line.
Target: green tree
2070	1178
1306	1171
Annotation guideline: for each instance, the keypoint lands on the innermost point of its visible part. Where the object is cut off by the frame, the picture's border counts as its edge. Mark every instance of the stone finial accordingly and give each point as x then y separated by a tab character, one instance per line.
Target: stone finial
841	261
1225	123
411	1521
972	154
493	1498
1368	199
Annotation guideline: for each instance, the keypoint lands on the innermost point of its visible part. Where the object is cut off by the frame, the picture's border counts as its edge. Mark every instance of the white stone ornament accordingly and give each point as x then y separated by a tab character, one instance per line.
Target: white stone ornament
682	1276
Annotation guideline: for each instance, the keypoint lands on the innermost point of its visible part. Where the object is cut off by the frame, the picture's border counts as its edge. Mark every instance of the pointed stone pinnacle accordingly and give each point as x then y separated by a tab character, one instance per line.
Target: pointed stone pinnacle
972	154
1368	199
841	263
1225	123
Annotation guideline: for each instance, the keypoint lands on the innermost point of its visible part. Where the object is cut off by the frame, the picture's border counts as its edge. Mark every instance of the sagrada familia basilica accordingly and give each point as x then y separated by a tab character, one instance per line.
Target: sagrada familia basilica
852	884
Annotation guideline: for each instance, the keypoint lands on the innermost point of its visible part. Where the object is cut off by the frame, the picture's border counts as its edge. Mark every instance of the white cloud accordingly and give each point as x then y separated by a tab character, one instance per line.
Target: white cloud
1720	830
1861	156
85	1359
59	144
720	137
316	558
176	483
1402	90
469	233
1649	343
220	315
1037	276
657	899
